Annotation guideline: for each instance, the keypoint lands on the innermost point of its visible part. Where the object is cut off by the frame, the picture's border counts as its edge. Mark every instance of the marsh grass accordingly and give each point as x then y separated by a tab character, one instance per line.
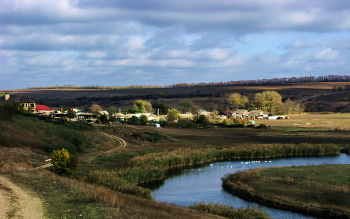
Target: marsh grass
230	212
319	190
186	157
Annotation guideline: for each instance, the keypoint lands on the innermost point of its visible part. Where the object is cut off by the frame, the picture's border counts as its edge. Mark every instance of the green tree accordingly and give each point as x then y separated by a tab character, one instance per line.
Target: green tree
185	105
10	108
142	106
268	100
112	110
209	107
70	113
112	113
103	118
64	162
161	108
143	120
202	120
173	115
134	120
236	100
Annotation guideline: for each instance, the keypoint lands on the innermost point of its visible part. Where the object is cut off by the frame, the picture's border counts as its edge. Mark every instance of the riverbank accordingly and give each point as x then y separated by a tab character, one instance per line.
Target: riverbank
316	190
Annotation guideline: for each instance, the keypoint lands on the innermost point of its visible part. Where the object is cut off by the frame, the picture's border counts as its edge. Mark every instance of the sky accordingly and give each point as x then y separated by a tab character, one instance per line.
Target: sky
164	42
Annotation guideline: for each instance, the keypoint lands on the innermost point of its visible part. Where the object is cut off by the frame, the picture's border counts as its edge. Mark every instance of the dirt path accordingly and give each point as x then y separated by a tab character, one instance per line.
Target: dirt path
18	203
121	141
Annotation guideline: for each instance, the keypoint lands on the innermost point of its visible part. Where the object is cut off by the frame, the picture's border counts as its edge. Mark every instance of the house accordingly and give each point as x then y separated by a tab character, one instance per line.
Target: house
205	113
44	110
224	115
83	116
256	114
29	105
150	116
240	114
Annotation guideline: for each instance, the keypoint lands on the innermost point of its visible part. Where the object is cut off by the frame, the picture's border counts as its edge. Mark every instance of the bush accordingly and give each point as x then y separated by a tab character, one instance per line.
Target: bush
230	212
64	162
151	137
261	126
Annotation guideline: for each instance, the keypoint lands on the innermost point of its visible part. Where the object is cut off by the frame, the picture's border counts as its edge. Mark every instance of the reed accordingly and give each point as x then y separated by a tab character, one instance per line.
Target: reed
186	157
230	212
114	181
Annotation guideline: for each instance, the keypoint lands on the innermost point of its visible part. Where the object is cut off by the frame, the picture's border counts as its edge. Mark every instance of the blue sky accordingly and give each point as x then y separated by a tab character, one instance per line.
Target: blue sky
157	42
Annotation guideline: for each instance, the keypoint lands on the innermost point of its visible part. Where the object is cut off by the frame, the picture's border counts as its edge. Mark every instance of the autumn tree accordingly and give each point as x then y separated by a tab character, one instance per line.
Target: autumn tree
291	107
64	162
142	106
173	115
236	100
185	105
96	107
268	100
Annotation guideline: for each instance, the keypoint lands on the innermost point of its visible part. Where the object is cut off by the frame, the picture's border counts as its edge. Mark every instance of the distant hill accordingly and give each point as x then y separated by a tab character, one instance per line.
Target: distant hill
199	95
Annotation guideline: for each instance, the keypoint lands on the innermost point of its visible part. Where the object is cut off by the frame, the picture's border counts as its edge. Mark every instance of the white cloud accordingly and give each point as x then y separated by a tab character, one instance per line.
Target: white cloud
170	41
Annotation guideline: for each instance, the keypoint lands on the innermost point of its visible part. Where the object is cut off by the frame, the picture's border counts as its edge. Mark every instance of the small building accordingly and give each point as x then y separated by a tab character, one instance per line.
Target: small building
224	115
256	114
44	110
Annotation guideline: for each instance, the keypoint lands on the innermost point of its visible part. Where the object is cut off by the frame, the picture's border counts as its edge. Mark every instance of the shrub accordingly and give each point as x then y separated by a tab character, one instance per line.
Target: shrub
261	126
230	212
64	162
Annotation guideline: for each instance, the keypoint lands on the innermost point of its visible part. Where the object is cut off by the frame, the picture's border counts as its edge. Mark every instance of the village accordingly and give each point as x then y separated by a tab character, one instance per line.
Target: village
103	116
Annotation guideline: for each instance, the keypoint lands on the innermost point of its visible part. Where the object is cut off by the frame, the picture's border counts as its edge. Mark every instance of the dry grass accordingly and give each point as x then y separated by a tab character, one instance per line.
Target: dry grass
318	190
61	194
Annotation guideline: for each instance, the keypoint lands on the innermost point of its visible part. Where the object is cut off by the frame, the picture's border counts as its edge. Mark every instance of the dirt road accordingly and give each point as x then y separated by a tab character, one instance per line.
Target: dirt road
16	202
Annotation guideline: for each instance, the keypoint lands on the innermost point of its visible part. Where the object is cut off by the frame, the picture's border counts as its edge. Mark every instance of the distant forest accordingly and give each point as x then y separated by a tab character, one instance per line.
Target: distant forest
328	78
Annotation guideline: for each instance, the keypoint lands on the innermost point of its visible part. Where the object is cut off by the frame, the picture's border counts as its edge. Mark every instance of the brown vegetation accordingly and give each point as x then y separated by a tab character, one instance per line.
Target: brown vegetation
317	190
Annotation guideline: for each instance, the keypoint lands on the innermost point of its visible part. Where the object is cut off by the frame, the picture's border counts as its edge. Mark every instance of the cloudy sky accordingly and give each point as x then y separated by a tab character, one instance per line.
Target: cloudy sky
164	42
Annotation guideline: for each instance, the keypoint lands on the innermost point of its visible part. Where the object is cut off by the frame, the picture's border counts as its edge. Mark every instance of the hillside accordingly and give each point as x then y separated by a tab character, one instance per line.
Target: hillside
199	95
26	142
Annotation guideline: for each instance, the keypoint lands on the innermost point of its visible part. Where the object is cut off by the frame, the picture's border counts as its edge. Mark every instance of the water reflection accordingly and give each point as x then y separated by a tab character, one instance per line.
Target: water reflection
203	183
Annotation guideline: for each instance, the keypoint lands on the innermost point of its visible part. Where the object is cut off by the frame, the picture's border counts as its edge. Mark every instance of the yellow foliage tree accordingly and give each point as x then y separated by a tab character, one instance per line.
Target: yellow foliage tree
63	162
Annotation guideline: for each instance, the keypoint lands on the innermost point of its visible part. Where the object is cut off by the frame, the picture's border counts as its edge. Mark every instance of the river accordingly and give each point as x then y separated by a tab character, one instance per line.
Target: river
203	183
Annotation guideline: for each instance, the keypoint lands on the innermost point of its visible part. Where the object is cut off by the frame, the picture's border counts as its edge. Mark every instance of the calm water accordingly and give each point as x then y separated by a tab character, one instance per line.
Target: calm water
203	184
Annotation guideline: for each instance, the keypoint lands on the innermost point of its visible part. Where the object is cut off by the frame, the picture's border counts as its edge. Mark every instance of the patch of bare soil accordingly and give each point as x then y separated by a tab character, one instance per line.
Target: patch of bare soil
16	202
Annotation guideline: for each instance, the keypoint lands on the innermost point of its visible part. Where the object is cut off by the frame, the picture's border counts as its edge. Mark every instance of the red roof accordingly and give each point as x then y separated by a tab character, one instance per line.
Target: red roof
42	108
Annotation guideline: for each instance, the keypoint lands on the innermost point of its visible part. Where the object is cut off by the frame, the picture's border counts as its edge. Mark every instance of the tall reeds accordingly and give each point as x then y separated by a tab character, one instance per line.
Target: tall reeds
153	167
186	157
230	212
114	181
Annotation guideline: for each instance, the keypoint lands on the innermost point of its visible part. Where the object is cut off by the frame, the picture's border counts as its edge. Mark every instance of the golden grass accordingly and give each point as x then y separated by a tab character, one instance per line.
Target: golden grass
60	193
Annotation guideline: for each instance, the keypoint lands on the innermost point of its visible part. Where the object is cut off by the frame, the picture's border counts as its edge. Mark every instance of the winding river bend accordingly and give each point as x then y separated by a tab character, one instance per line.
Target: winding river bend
203	183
